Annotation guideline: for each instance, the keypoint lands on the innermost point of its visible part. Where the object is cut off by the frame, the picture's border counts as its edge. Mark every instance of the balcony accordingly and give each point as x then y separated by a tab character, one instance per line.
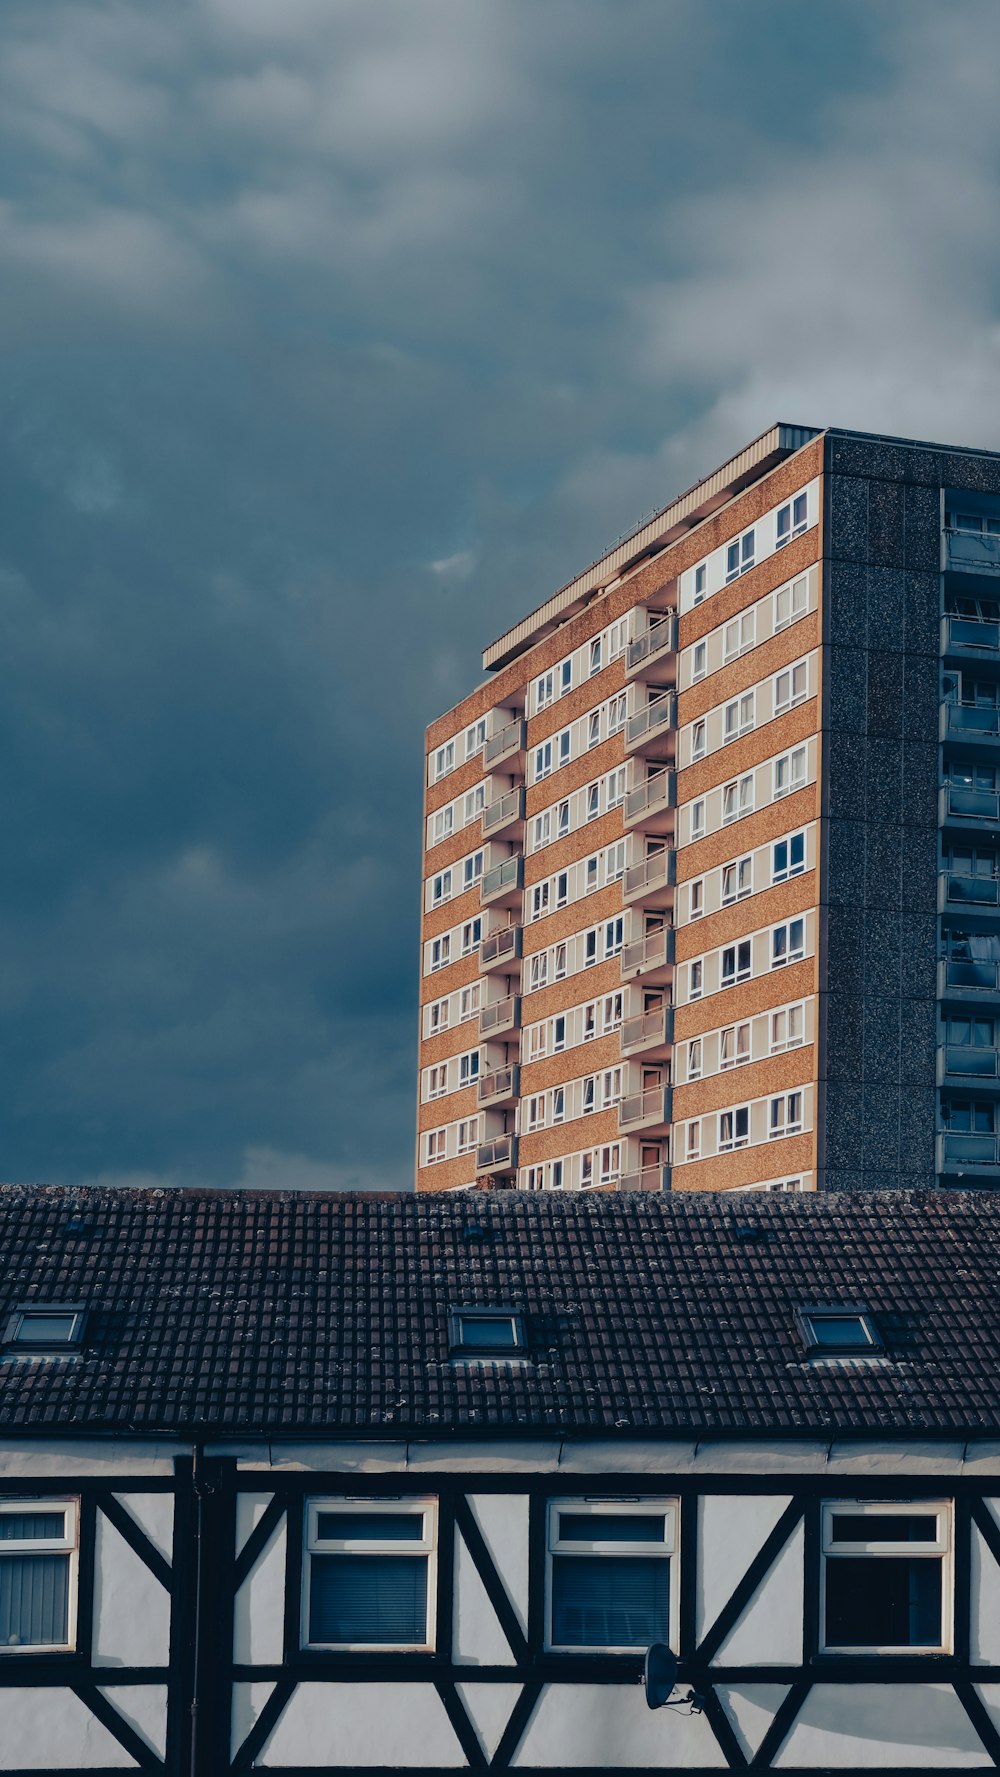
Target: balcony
499	1088
652	648
964	1064
505	815
649	1033
508	744
500	952
969	727
651	881
649	805
645	1110
497	1159
652	730
502	886
650	958
652	1178
971	552
960	980
501	1016
969	1156
968	894
969	638
959	806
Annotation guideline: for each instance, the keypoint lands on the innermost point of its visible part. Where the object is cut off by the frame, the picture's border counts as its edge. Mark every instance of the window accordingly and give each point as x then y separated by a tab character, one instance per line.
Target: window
535	1117
789	772
787	1029
791	602
369	1580
594	728
472	869
617	636
788	857
788	943
475	738
698	818
538	1042
611	1087
563	744
38	1565
590	874
791	520
543	760
737	961
539	900
589	1097
699	661
737	798
739	635
541	830
614	936
441	888
593	801
441	951
610	1579
699	738
692	1140
734	1128
444	759
474	802
444	822
612	1012
559	1032
696	897
435	1146
734	1045
740	556
438	1013
562	818
559	962
791	687
700	582
486	1332
538	970
785	1115
468	1135
614	861
737	879
472	933
565	676
614	787
738	717
609	1163
696	979
589	1025
886	1578
469	1001
437	1080
545	690
468	1067
558	1104
595	657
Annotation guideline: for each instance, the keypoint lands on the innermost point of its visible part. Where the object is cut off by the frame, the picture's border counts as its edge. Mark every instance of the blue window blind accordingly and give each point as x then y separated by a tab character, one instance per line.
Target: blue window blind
377	1599
34	1600
609	1601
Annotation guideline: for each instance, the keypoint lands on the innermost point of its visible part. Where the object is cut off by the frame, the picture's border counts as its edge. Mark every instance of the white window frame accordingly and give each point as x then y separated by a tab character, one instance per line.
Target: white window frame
729	1144
425	1546
600	1550
793	953
795	782
786	1123
797	593
781	1045
941	1550
739	794
745	627
699	661
67	1544
791	686
791	869
467	1135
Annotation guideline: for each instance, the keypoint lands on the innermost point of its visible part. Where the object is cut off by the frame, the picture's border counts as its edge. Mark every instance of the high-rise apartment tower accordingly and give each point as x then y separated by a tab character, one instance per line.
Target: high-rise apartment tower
711	888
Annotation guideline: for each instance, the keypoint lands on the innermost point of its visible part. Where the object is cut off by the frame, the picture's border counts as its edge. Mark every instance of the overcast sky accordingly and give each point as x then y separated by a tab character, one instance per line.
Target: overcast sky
335	335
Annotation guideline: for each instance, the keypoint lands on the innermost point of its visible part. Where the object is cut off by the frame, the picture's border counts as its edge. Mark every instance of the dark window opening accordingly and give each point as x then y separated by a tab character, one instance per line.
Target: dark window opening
882	1601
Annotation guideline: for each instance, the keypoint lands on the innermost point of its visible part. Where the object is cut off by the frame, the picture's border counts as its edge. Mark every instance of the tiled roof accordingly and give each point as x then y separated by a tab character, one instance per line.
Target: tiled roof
328	1314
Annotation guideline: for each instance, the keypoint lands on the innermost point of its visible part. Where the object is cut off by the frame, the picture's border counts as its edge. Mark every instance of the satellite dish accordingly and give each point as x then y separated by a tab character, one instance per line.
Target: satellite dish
659	1674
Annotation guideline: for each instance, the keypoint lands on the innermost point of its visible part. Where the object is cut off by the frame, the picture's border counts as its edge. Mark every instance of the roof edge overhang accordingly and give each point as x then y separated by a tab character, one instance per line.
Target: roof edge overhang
665	526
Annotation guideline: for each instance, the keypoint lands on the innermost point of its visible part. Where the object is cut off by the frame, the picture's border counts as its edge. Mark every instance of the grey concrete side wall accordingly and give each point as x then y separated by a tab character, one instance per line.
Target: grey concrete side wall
880	779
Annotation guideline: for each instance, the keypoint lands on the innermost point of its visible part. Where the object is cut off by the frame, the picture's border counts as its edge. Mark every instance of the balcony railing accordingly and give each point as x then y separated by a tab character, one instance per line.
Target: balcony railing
970	891
959	803
966	635
972	552
650	877
651	803
652	1178
969	721
645	1110
504	882
501	951
958	976
506	743
653	722
653	952
961	1151
506	811
499	1087
497	1156
503	1015
647	1030
968	1062
658	640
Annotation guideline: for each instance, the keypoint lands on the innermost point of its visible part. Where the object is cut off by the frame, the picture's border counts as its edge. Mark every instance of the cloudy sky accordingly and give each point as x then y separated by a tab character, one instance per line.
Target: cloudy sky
335	335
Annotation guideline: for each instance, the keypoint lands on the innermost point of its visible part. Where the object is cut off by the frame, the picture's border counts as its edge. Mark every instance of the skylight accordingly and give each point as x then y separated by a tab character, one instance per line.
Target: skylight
487	1332
839	1332
45	1326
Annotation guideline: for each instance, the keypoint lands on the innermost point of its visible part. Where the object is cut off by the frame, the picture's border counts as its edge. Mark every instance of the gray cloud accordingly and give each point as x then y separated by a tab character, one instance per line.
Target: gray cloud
337	335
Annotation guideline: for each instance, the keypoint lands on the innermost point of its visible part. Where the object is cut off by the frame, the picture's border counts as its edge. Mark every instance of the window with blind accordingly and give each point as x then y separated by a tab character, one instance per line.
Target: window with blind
611	1581
886	1577
38	1564
369	1574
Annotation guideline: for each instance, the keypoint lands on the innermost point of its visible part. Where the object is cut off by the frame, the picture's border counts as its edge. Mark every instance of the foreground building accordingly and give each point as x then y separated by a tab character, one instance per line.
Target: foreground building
712	869
304	1483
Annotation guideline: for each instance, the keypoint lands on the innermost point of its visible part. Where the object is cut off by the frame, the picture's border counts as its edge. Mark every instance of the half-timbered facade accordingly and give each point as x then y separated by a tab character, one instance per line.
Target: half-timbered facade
307	1484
